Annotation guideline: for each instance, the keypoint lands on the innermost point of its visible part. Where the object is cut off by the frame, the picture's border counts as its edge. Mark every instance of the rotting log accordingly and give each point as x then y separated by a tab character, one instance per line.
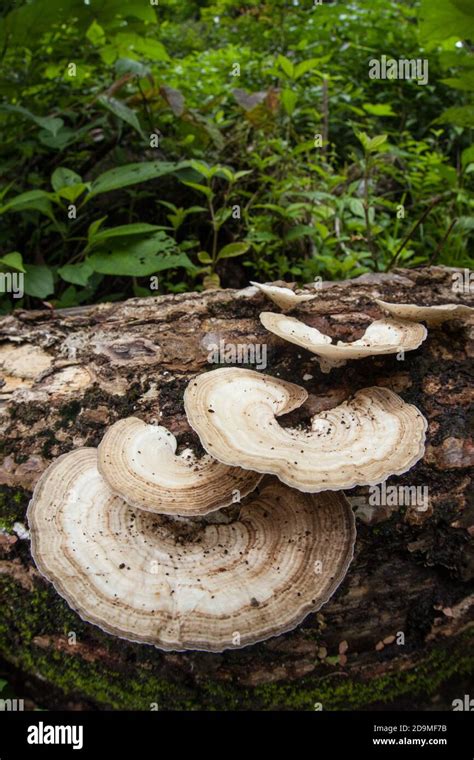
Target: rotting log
67	375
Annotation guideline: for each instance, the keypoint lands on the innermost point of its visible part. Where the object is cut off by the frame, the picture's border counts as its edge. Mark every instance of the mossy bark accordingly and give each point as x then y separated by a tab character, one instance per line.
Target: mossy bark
399	629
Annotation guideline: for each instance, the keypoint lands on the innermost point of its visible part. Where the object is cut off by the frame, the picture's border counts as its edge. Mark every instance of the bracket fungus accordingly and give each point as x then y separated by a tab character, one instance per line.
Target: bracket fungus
285	298
187	583
384	336
360	442
432	315
140	464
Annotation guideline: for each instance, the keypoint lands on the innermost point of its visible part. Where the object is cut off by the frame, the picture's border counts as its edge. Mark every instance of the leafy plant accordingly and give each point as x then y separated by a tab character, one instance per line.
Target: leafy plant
217	143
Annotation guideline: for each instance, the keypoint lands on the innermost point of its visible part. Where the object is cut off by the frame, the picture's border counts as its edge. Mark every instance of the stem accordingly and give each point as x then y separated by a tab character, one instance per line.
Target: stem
368	226
214	234
325	116
146	107
422	218
442	242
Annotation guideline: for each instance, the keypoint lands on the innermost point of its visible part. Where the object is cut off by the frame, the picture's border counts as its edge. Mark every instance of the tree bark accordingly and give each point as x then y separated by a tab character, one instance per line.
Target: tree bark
398	632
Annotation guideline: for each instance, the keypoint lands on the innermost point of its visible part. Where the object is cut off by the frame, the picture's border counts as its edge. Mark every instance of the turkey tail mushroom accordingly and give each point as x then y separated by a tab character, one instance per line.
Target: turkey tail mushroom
140	464
432	315
285	298
187	583
384	336
360	442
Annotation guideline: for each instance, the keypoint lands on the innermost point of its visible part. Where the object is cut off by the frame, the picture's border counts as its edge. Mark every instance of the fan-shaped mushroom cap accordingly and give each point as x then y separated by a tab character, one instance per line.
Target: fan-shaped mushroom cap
432	315
385	336
360	442
140	464
285	298
183	583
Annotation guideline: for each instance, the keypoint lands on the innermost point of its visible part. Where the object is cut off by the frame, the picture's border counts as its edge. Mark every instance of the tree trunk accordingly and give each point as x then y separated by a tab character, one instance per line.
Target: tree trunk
398	632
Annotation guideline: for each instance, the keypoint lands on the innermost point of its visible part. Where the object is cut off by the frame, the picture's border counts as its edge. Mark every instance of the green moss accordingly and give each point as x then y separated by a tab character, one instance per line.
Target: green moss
349	694
137	677
13	504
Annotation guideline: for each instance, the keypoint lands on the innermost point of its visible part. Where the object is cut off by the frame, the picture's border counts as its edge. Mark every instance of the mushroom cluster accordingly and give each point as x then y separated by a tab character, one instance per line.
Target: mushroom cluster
213	551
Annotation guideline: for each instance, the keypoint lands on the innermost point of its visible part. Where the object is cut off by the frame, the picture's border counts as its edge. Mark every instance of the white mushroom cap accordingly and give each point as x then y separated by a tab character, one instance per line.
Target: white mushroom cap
140	464
360	442
384	336
432	315
285	298
187	583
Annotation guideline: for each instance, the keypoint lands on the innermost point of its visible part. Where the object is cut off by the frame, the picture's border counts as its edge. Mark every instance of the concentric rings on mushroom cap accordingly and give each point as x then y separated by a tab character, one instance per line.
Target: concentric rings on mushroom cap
187	583
360	442
140	464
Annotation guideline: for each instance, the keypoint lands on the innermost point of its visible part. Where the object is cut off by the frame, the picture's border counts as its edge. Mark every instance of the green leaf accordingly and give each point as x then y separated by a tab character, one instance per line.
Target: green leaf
204	257
467	156
63	177
14	260
49	123
356	206
131	174
464	82
139	228
299	231
96	34
242	173
129	66
305	66
460	116
140	258
39	281
33	200
78	274
289	99
200	188
67	184
94	226
3	683
64	137
122	112
286	65
379	109
142	46
201	168
441	19
371	144
231	250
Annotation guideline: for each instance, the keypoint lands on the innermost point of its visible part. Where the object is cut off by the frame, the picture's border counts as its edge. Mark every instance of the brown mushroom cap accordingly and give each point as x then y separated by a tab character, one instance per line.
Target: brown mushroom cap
432	315
182	583
360	442
384	336
285	298
140	464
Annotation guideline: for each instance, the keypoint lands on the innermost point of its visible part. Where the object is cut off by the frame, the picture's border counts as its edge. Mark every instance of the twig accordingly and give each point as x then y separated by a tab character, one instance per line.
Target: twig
325	116
422	218
442	242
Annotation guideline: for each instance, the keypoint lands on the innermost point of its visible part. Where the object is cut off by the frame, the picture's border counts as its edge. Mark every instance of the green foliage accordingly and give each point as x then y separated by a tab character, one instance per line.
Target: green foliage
219	143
